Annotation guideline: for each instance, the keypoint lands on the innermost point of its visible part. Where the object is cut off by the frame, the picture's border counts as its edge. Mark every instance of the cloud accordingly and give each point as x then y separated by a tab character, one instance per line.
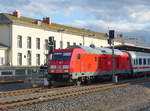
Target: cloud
108	10
126	16
104	25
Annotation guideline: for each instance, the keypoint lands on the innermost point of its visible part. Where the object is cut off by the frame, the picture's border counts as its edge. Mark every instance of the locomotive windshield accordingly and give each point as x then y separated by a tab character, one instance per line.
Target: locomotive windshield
61	56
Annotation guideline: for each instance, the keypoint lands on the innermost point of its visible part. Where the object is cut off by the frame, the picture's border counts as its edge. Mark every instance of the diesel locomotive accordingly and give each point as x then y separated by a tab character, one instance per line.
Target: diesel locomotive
81	64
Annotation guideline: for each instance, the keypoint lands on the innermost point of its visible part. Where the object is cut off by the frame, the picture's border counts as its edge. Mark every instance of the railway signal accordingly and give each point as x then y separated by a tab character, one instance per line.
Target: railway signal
51	44
111	43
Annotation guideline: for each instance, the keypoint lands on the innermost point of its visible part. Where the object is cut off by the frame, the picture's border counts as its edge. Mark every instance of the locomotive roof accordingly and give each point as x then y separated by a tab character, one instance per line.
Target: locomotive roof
99	50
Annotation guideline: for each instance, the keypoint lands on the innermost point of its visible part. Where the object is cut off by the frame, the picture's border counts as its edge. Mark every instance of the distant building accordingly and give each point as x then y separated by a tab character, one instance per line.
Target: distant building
27	39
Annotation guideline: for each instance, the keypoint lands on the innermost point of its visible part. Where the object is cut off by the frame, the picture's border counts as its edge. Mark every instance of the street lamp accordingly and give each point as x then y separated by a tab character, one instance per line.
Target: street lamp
83	36
61	41
91	35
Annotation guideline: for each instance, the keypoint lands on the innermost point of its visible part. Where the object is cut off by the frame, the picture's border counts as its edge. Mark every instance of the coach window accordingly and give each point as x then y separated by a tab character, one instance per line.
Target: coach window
144	61
140	61
136	61
148	61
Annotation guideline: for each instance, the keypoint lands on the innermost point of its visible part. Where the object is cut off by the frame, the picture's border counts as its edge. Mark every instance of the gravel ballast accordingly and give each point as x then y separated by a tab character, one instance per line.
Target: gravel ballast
130	98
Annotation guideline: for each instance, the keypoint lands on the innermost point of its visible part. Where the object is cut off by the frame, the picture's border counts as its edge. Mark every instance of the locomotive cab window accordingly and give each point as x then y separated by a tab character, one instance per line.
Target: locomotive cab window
61	56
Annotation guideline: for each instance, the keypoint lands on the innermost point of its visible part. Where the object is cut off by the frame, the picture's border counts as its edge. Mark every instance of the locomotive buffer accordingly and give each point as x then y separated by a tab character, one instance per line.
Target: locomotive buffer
111	43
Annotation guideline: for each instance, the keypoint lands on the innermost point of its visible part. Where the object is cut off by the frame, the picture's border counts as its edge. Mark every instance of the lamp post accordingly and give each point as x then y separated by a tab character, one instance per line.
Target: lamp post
83	36
61	40
91	35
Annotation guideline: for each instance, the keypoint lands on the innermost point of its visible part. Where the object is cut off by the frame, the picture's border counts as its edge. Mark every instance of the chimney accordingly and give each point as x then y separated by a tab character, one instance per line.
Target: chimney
38	22
47	20
17	14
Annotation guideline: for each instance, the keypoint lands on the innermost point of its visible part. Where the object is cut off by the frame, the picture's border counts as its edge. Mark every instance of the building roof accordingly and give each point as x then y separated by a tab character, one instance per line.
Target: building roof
3	46
52	27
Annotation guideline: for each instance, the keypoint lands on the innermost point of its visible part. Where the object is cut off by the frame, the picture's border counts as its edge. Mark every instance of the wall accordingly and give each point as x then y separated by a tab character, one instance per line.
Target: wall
44	34
5	32
3	55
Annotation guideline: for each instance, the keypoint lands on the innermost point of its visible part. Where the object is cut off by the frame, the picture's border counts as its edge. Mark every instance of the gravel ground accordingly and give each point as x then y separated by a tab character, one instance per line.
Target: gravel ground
131	98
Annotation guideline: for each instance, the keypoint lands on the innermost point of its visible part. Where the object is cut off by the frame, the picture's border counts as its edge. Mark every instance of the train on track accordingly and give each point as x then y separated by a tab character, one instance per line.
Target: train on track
81	64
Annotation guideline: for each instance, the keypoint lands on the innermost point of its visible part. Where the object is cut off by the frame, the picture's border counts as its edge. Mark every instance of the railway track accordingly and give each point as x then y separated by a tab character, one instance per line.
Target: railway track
28	91
16	101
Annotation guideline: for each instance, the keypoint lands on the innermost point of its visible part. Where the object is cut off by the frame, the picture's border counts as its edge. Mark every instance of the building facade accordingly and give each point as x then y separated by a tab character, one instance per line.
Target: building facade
27	38
3	54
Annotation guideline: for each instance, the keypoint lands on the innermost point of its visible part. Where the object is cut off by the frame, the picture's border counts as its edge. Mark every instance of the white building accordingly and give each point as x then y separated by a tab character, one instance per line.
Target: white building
3	54
27	38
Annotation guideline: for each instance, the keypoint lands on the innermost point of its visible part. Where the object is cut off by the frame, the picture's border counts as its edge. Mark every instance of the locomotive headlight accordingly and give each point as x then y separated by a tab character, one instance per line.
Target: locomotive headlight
53	66
52	71
65	66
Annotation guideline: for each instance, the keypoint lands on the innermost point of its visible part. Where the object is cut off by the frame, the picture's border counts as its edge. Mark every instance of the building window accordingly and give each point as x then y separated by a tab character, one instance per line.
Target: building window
1	60
37	59
61	44
37	43
19	59
19	41
29	58
29	42
46	44
74	44
68	44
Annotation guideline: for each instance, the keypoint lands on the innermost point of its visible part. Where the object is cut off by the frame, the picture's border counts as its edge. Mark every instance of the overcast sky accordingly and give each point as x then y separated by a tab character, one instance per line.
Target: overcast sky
130	17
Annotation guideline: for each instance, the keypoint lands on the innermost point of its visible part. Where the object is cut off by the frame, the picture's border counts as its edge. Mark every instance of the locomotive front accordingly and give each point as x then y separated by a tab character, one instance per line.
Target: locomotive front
59	66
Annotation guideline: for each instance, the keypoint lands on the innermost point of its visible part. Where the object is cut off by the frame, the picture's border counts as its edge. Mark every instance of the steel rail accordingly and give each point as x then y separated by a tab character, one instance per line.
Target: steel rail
29	91
56	95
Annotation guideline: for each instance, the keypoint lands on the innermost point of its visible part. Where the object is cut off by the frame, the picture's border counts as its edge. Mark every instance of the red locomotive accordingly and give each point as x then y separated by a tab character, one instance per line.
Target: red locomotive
79	64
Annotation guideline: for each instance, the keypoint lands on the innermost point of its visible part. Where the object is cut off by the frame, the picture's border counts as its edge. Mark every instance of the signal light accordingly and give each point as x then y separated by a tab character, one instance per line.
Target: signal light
51	38
111	34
